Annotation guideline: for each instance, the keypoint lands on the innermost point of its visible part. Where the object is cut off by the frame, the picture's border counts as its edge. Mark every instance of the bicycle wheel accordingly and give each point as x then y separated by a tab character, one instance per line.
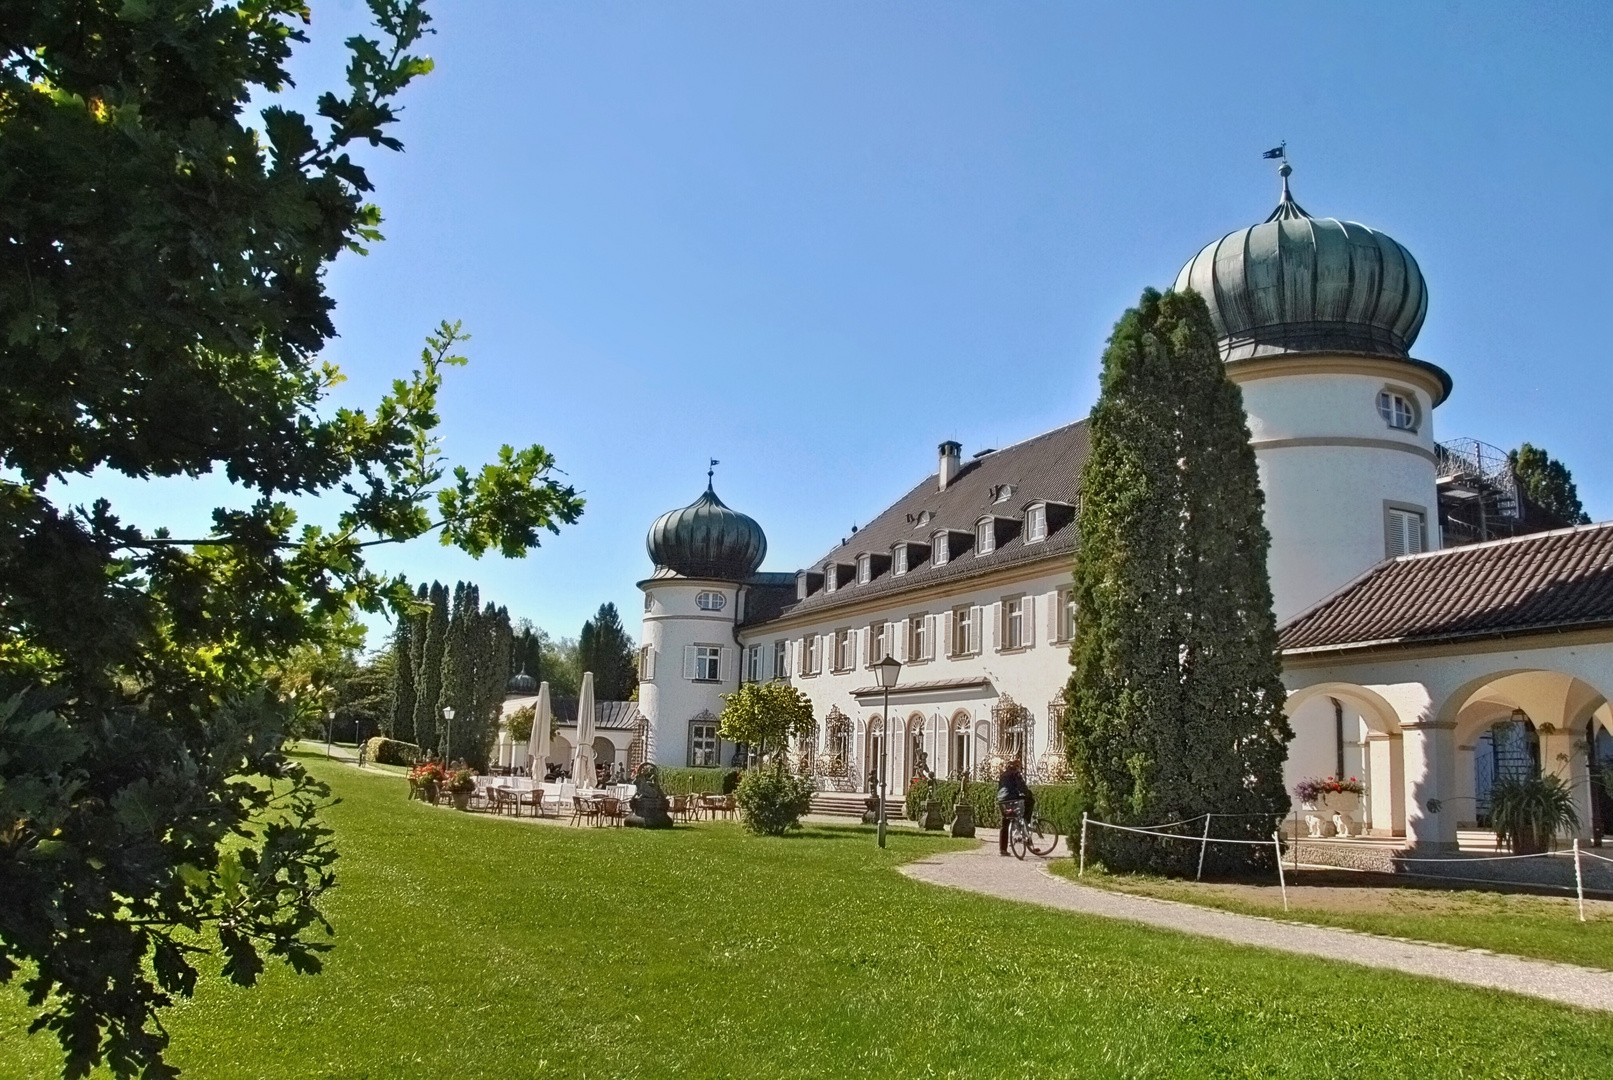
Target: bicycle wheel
1018	839
1043	837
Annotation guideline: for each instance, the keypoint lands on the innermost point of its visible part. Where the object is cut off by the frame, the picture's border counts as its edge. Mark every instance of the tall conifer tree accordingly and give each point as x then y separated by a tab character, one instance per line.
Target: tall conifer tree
1176	708
400	696
428	671
605	649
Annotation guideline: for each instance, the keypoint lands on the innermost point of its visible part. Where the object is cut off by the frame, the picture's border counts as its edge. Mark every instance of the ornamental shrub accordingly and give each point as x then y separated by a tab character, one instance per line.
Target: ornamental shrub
771	801
703	781
384	751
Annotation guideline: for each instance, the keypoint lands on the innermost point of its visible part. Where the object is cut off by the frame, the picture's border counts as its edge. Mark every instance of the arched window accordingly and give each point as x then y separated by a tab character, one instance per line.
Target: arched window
960	745
710	601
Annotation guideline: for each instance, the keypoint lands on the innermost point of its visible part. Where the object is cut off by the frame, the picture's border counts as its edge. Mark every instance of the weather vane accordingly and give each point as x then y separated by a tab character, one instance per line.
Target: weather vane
712	471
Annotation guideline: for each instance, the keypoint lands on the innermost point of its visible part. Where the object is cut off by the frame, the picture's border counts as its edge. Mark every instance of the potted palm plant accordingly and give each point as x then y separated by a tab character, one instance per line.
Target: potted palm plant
1527	812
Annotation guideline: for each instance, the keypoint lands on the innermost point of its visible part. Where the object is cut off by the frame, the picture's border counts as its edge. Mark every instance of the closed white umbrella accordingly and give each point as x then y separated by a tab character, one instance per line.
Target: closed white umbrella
582	770
542	719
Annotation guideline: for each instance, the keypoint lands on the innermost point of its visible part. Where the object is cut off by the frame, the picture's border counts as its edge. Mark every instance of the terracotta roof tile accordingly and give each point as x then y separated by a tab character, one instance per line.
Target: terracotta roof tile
1547	581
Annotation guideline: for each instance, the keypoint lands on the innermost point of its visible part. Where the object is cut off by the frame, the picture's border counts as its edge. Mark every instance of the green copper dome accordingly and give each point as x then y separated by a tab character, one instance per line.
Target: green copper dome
707	540
1298	284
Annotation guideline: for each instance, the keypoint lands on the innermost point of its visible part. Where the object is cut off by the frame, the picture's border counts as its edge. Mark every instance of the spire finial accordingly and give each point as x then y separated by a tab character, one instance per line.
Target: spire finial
1286	206
711	472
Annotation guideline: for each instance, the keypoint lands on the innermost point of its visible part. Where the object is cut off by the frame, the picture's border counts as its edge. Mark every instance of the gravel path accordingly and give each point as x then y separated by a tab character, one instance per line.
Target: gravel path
983	871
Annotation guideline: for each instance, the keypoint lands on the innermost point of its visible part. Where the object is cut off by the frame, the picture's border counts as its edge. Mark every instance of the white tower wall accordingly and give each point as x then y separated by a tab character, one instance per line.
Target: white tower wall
1331	467
673	622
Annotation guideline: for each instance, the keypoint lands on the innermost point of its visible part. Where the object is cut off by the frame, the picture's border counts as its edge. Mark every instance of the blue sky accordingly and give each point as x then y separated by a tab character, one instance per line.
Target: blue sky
814	240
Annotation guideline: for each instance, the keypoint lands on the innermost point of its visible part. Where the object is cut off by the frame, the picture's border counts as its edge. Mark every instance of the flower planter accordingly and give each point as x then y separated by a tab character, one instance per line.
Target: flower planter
428	792
1341	808
461	799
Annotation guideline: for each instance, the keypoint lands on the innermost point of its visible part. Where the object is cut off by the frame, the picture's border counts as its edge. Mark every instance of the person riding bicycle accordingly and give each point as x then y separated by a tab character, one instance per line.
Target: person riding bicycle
1011	787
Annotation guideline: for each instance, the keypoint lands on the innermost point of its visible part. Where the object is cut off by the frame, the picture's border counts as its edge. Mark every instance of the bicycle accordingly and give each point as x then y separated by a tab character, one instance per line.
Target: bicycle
1038	836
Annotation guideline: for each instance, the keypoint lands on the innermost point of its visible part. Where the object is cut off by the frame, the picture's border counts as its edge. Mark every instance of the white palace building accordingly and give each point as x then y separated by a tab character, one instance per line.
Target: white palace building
1422	653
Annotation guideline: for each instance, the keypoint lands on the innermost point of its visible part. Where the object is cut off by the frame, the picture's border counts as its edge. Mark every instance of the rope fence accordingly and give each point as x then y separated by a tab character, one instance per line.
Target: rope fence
1205	840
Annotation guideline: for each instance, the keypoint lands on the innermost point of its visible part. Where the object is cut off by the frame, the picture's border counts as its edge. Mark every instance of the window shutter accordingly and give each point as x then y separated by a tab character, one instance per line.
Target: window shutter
901	650
724	663
946	633
1054	605
976	614
933	626
649	662
999	611
688	662
1027	621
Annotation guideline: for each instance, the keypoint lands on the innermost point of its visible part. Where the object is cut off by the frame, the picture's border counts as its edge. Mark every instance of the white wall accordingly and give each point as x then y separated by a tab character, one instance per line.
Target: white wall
1324	481
669	700
1033	675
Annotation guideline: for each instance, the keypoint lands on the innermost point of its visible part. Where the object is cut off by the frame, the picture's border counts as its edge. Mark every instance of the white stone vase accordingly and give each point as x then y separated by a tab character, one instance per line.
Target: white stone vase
1340	808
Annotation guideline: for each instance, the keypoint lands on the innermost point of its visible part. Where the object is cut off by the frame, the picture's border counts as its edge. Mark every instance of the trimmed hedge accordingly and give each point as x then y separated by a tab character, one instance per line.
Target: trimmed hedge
1058	804
699	781
384	751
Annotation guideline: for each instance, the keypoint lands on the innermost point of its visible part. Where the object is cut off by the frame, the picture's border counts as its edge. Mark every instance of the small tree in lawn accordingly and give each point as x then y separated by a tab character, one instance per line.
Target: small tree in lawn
1176	708
767	716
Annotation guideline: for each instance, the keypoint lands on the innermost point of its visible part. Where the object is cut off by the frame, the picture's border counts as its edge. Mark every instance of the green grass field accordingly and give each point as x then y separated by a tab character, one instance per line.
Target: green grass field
476	947
1546	927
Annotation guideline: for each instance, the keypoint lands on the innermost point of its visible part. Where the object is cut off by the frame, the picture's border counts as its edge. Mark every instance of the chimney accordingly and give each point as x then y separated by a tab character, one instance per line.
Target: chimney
951	454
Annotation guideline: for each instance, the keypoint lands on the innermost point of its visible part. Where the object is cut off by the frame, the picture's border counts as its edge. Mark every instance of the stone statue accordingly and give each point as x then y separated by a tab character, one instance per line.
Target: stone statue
648	804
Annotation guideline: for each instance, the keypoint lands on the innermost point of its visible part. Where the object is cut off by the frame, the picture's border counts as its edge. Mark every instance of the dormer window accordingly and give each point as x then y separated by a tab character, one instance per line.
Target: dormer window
899	560
865	569
831	578
923	519
1036	523
942	549
985	536
1002	492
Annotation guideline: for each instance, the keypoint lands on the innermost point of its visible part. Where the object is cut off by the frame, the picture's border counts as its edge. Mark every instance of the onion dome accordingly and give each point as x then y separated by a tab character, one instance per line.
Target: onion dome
707	540
1298	284
521	683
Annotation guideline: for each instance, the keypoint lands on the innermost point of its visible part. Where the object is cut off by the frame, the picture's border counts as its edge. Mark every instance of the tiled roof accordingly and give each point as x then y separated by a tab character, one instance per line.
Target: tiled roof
1044	468
1545	582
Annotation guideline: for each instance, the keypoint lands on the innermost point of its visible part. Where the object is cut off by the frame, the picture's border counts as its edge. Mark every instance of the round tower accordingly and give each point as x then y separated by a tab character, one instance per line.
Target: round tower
1316	319
688	657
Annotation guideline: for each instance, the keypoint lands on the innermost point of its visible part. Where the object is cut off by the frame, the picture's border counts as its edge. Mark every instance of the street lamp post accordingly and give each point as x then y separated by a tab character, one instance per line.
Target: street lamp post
448	734
885	672
330	724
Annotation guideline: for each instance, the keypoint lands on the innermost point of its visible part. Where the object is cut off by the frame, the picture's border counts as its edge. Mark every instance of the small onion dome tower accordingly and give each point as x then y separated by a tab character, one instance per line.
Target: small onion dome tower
1315	319
521	684
707	540
704	555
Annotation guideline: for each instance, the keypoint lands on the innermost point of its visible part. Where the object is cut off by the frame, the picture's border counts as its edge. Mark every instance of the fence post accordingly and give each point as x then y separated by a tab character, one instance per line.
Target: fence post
1203	844
1277	842
1083	867
1579	881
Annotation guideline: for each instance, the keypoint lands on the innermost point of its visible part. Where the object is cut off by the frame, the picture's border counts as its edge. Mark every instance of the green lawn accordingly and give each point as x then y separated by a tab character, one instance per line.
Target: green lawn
472	947
1546	927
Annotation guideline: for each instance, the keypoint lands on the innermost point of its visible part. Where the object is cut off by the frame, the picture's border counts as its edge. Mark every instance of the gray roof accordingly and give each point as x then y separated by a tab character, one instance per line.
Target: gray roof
1544	583
1296	284
1046	468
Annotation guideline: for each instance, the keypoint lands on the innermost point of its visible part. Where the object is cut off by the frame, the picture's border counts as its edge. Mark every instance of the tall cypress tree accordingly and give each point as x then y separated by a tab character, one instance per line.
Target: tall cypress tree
428	669
400	697
1176	707
492	667
605	649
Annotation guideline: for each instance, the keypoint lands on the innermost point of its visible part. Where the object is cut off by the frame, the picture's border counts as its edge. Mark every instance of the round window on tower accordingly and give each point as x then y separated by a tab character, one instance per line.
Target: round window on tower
710	601
1398	410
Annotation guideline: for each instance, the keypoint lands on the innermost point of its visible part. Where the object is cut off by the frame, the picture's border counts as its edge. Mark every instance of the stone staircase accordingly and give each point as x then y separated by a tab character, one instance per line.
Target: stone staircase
842	804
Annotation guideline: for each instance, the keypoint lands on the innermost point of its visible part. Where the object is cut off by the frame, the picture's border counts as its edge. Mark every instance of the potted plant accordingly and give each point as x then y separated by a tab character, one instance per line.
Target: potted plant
461	784
1528	812
428	778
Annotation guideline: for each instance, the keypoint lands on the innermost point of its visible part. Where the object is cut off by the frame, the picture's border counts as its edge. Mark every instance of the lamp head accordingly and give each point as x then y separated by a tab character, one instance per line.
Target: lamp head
448	712
887	670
